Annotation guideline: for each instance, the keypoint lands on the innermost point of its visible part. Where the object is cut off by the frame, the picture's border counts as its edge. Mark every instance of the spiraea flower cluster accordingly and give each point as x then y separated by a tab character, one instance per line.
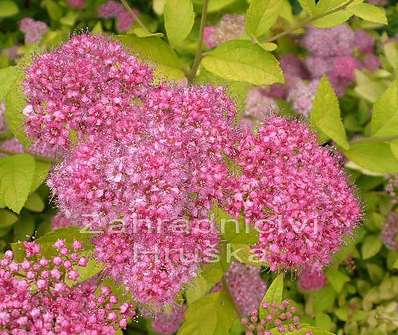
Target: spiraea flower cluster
389	234
333	53
231	26
35	298
33	30
82	88
281	317
296	193
113	9
150	161
245	286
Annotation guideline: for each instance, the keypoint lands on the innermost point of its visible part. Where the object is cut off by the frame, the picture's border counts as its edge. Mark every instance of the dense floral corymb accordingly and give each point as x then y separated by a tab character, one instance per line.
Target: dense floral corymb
297	194
83	87
35	299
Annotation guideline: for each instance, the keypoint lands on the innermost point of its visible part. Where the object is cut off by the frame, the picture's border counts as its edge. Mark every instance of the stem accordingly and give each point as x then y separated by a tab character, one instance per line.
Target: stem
135	16
307	21
38	157
198	55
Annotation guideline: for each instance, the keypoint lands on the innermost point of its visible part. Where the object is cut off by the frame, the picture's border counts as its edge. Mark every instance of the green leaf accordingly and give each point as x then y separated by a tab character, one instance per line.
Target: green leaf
197	289
243	61
8	76
323	321
325	114
274	294
157	52
261	16
368	87
391	52
15	103
179	18
34	203
234	230
7	218
215	5
325	6
385	113
323	299
371	246
308	6
41	172
16	175
54	10
369	13
24	228
395	266
332	20
8	8
373	156
213	314
47	241
337	279
158	6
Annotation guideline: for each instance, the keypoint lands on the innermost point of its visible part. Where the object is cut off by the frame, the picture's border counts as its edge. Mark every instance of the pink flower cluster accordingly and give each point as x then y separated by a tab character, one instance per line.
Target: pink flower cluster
35	299
310	279
82	88
231	26
3	125
332	53
246	287
33	30
168	323
281	318
389	234
114	9
378	2
296	193
77	4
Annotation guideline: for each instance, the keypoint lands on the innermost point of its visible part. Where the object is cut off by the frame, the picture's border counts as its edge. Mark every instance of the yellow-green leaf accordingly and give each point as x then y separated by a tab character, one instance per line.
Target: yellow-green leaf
261	16
179	18
325	114
244	61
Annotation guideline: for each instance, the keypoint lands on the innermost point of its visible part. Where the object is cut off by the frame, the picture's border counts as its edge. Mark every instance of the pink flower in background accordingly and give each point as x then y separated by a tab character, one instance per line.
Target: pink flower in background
110	9
259	106
378	2
78	4
124	21
364	42
371	62
311	279
296	193
231	26
33	30
336	41
246	287
168	323
389	234
302	95
14	146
